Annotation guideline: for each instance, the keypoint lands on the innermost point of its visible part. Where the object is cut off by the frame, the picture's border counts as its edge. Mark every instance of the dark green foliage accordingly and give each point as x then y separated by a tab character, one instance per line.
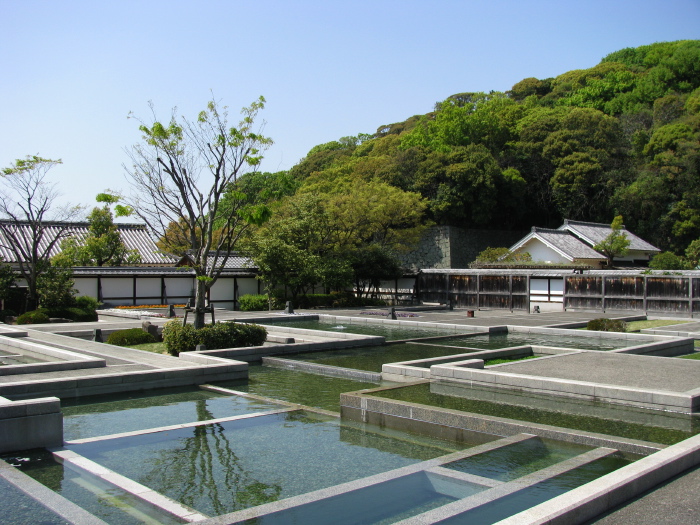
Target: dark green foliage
620	138
606	325
33	317
251	303
179	338
87	303
667	261
8	279
130	337
6	313
55	286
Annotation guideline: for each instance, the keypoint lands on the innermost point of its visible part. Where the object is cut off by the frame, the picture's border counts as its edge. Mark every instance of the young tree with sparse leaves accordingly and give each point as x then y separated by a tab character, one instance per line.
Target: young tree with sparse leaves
616	244
180	172
27	209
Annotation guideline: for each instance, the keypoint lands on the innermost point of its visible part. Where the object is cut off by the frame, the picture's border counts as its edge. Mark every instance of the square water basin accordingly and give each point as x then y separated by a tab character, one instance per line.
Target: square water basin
519	459
233	465
116	413
104	500
521	500
383	503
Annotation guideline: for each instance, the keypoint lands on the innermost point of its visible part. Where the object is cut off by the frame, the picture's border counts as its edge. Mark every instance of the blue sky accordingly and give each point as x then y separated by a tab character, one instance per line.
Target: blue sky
73	70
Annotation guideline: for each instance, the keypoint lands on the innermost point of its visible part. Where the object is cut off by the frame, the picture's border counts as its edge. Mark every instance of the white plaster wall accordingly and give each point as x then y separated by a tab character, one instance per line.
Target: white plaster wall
148	287
542	252
86	286
248	286
178	287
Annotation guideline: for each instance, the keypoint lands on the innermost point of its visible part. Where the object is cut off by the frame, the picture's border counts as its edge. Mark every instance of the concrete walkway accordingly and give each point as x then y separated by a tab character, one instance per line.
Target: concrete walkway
674	502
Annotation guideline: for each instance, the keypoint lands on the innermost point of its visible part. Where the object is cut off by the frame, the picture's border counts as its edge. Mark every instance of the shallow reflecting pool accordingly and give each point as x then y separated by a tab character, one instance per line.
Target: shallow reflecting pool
371	358
235	465
392	332
295	386
605	418
115	413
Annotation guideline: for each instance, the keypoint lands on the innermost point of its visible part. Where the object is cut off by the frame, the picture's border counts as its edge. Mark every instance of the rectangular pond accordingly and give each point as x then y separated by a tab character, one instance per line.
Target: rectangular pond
109	503
116	413
526	498
387	502
392	332
294	386
578	414
372	358
505	340
517	460
233	465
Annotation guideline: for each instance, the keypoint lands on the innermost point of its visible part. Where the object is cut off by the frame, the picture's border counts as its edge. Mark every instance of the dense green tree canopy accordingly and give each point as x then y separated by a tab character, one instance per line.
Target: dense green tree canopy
619	138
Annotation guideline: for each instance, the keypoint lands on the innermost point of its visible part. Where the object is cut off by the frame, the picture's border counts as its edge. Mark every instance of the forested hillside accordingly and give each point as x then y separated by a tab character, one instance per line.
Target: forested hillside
620	138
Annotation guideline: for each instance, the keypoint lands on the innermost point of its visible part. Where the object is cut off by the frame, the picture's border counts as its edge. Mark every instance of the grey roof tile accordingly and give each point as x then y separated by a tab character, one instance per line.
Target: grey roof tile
567	243
594	233
134	236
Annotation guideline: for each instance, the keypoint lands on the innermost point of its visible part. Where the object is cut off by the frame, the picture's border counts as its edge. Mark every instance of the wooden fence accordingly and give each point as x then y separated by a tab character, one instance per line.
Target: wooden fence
594	291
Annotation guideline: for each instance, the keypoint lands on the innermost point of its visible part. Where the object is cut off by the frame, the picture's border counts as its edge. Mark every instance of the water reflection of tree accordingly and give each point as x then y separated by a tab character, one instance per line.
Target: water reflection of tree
206	472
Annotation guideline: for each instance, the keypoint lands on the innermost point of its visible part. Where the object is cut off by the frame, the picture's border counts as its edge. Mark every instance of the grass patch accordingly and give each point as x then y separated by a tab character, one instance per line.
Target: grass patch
636	326
501	361
156	348
696	355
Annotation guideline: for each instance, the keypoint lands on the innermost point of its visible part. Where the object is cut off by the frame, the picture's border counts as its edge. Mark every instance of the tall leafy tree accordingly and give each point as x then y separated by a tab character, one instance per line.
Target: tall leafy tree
180	172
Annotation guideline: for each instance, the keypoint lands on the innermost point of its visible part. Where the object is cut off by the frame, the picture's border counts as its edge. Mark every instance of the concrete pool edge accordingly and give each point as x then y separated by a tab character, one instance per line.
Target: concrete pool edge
363	407
606	492
46	497
376	479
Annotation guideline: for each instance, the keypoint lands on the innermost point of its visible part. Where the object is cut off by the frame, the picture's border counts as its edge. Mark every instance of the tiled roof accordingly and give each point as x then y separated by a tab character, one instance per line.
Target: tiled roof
593	233
134	236
563	242
235	261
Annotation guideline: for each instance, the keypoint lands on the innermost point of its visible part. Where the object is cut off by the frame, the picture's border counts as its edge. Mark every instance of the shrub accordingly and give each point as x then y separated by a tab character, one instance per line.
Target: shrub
607	325
251	303
85	302
33	317
130	337
178	338
73	313
6	313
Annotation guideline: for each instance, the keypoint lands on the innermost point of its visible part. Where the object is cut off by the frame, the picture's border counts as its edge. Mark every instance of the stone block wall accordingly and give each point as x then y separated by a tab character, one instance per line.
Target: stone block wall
451	247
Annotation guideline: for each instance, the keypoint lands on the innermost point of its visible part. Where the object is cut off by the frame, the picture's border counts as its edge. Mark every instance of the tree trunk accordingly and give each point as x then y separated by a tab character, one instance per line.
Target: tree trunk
199	303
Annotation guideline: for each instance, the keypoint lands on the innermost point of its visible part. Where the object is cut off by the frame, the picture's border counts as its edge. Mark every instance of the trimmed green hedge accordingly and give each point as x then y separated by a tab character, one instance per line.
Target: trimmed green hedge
33	317
607	325
178	338
254	303
130	337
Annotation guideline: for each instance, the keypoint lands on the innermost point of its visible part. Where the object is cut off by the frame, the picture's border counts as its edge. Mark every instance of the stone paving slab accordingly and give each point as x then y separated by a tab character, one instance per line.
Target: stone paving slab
649	372
63	374
672	503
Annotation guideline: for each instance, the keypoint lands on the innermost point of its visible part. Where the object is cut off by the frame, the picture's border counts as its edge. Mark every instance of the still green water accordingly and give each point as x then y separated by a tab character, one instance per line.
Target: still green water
496	341
109	503
235	465
294	386
115	413
628	422
517	460
534	495
20	509
371	358
392	332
